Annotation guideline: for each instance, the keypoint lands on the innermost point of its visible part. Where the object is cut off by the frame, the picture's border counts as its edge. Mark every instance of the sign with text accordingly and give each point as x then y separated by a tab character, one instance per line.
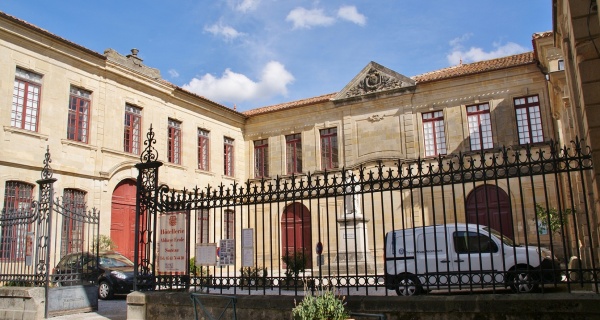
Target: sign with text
247	247
172	255
227	252
205	254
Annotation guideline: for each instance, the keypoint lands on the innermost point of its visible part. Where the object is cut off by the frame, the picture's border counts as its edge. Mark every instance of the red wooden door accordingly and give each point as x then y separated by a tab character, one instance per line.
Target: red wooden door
489	205
122	225
296	231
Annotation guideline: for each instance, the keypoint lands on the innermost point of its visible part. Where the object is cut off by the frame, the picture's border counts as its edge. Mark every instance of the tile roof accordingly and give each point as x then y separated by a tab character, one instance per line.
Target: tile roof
477	67
442	74
290	105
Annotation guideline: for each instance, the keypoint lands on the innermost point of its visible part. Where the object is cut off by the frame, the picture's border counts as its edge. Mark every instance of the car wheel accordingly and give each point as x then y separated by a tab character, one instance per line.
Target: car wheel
105	291
408	285
523	281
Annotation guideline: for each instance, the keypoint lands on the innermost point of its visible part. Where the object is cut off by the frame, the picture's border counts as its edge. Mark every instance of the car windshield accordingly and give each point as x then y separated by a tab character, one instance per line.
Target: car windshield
114	260
506	240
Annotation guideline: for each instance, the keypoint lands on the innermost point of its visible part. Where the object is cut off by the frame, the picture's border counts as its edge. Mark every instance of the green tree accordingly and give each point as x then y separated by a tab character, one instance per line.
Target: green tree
552	218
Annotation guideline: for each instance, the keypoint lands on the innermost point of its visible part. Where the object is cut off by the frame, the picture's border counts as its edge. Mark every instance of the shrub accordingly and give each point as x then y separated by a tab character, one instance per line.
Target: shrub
253	273
295	261
323	305
197	271
104	243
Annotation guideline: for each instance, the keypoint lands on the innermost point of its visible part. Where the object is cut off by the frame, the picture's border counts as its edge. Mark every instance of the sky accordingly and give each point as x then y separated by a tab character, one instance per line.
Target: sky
254	53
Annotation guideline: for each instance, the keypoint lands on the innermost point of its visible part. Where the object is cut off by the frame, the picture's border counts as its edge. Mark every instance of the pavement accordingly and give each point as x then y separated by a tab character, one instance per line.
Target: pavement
115	309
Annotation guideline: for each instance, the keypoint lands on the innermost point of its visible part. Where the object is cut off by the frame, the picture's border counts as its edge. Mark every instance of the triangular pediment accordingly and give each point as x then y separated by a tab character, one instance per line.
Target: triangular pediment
374	78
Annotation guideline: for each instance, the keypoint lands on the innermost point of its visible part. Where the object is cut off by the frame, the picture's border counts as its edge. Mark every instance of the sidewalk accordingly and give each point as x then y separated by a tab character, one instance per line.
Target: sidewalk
115	309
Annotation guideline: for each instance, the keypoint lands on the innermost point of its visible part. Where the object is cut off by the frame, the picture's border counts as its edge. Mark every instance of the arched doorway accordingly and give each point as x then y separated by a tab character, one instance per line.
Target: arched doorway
296	231
122	222
489	205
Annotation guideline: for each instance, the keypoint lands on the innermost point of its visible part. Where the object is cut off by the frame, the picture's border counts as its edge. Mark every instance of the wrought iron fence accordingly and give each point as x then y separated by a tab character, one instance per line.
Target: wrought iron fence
506	218
35	234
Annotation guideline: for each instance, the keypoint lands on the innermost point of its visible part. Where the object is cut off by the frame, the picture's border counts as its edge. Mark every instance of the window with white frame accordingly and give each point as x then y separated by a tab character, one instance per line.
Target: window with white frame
26	100
228	224
434	134
132	129
174	142
72	224
293	153
79	115
329	148
480	126
202	225
203	149
261	158
529	119
18	197
228	156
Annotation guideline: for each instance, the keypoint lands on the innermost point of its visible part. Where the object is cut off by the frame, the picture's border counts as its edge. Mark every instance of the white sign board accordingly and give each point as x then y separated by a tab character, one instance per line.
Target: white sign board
206	254
172	256
247	247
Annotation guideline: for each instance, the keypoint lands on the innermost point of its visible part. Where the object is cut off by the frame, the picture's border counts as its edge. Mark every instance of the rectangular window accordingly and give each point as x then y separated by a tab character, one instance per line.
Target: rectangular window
26	100
228	157
79	115
174	142
229	224
131	136
203	145
561	65
261	158
329	149
17	203
202	225
480	126
293	153
434	134
72	224
529	120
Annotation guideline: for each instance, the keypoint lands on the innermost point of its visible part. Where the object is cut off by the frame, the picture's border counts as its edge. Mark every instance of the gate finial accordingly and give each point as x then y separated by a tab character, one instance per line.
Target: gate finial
150	153
47	171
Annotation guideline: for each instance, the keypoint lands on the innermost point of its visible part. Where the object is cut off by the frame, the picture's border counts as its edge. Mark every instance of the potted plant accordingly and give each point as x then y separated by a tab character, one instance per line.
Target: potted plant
323	305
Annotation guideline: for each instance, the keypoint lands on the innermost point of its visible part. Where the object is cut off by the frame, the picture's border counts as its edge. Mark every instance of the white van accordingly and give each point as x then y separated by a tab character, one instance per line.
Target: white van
463	256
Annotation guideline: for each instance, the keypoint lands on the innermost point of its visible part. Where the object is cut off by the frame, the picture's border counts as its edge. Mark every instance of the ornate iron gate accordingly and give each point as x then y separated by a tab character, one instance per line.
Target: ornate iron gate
35	234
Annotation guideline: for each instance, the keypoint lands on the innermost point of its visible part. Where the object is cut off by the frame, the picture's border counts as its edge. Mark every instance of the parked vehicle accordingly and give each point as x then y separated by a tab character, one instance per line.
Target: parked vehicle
114	274
462	255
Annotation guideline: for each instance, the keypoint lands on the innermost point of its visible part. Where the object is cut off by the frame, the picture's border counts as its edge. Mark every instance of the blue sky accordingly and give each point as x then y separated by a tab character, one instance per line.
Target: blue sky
255	53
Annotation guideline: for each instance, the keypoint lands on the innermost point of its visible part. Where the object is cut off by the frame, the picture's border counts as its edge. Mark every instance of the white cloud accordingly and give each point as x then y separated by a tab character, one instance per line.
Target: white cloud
457	42
351	14
247	5
235	88
227	32
173	73
303	18
460	54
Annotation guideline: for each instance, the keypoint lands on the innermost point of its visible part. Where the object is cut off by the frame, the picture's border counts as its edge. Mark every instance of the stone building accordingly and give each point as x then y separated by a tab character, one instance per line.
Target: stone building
91	111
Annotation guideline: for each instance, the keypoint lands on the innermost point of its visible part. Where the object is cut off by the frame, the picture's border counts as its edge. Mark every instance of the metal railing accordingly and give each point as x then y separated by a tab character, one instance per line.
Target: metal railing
293	233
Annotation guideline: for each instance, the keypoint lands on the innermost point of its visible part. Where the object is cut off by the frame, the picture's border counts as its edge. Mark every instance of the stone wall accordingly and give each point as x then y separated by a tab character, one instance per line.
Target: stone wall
22	303
168	306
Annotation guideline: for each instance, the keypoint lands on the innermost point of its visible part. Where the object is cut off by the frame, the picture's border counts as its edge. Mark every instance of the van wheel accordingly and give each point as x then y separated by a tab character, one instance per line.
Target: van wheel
522	281
408	286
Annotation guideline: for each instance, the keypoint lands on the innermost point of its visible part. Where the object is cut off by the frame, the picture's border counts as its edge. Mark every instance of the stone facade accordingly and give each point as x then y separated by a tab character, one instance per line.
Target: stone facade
379	115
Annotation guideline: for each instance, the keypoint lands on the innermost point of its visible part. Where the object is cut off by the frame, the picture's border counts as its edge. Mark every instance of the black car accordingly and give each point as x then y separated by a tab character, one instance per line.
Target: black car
114	274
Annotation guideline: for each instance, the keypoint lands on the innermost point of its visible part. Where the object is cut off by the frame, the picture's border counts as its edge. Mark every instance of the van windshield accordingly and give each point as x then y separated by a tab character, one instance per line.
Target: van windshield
506	240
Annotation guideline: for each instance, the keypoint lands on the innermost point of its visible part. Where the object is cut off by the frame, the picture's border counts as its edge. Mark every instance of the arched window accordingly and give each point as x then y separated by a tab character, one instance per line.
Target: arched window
72	221
17	202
